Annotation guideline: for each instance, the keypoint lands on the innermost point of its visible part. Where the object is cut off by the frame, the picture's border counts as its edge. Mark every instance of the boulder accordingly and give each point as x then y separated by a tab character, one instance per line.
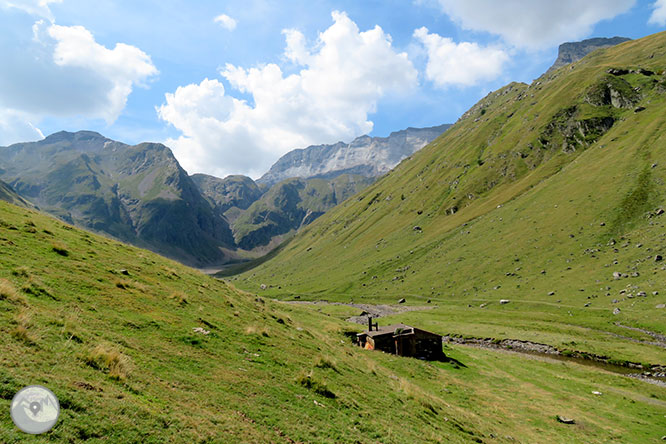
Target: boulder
402	301
616	311
504	301
565	420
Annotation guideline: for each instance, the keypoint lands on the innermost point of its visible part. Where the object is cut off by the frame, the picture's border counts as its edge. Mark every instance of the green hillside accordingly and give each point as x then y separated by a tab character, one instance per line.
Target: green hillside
537	195
110	329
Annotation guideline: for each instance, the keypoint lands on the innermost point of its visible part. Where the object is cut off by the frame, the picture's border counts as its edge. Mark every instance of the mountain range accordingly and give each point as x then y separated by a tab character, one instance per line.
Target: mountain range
366	156
141	195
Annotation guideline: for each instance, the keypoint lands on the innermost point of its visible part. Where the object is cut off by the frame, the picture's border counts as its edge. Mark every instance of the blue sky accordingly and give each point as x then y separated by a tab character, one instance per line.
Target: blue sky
232	85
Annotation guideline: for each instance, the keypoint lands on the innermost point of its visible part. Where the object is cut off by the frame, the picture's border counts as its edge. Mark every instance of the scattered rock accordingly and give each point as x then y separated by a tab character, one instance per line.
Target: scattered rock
402	301
638	109
262	286
658	258
617	71
617	275
602	224
655	293
297	296
417	228
428	301
551	293
504	301
596	393
484	305
660	306
616	311
587	305
565	420
543	271
124	272
641	294
635	274
659	211
200	330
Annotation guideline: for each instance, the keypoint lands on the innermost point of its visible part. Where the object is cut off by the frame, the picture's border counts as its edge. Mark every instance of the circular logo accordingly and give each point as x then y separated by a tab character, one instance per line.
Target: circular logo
35	409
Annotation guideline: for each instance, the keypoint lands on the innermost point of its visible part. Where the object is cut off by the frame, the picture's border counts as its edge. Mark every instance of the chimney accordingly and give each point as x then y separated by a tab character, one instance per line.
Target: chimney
369	323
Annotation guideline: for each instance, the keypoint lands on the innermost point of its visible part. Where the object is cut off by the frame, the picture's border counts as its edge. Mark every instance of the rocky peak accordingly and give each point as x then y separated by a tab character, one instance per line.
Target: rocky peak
571	52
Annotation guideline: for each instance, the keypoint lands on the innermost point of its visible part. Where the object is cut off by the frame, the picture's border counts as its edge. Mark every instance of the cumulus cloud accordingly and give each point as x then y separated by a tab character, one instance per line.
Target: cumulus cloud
39	8
534	24
341	79
121	67
658	16
459	64
226	22
63	72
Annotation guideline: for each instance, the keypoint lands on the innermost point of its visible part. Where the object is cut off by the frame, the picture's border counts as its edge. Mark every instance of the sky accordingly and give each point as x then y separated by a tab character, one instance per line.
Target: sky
230	86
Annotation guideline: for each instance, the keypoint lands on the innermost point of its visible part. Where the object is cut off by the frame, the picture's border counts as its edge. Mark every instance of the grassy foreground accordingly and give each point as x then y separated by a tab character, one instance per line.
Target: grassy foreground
109	328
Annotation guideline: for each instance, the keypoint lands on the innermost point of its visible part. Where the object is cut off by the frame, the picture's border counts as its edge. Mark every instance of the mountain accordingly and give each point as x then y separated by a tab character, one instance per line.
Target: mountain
290	205
366	156
8	194
571	52
138	194
231	195
546	195
138	348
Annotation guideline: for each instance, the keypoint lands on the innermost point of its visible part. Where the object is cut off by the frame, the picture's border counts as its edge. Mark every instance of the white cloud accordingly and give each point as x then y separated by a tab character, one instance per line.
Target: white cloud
122	67
461	64
226	22
33	7
340	82
63	72
658	16
534	24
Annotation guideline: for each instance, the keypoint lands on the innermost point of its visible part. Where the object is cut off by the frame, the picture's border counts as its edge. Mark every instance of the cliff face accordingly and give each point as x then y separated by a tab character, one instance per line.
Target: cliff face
573	51
366	156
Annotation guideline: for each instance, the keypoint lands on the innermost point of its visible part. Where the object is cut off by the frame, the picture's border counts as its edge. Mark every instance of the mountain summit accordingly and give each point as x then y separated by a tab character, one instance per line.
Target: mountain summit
365	156
138	194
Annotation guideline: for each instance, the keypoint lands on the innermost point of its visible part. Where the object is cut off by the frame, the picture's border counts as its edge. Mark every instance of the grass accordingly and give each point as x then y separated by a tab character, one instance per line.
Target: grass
127	365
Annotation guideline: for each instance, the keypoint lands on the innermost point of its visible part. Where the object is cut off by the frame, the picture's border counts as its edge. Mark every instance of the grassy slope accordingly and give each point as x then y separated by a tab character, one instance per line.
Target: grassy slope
524	206
119	352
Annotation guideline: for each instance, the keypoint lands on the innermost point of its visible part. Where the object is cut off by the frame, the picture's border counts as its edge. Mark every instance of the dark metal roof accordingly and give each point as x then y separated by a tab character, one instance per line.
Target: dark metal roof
391	330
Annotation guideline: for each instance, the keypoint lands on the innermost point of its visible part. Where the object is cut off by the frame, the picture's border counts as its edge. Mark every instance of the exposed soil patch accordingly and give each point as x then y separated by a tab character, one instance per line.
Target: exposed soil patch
376	311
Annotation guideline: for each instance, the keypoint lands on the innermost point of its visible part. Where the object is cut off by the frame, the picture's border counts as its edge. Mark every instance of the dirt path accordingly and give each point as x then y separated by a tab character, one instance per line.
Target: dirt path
659	339
376	311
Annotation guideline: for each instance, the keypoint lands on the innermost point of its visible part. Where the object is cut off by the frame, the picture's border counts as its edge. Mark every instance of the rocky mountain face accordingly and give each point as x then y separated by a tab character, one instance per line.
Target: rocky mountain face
8	194
138	194
573	51
290	205
366	156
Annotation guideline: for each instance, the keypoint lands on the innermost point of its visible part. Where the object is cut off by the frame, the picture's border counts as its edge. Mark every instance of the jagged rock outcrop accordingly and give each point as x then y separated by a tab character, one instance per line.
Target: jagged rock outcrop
366	156
571	52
